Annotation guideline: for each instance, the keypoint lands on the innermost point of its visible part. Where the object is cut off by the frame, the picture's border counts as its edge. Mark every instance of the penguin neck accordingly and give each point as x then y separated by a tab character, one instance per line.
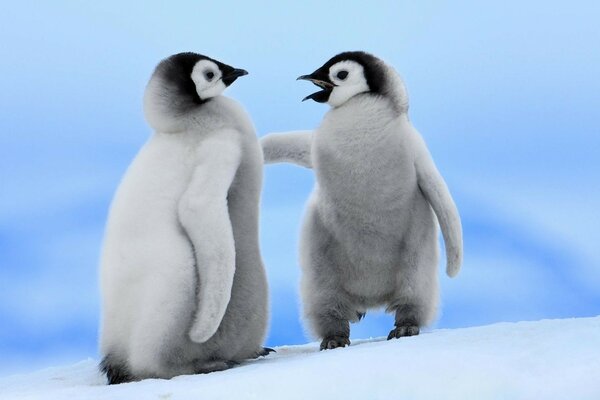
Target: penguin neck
362	121
219	112
162	111
370	109
395	90
169	117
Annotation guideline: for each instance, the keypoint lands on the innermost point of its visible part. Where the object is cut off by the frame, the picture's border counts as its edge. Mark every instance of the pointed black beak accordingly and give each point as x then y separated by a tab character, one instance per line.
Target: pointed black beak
305	77
320	97
236	73
230	76
319	78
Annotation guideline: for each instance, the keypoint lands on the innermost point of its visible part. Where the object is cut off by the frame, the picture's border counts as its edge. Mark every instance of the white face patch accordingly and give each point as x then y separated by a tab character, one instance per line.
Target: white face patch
349	78
207	78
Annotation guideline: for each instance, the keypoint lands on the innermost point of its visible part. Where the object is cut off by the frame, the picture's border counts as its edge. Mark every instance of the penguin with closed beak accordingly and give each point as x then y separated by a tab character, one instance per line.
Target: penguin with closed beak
182	280
369	237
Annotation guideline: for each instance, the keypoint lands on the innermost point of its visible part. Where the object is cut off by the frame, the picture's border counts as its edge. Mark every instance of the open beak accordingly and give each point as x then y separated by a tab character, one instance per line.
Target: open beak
320	79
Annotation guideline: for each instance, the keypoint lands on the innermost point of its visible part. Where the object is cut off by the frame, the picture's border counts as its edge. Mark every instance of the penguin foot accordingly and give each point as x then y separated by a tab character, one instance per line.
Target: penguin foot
265	352
115	371
404	330
333	342
215	366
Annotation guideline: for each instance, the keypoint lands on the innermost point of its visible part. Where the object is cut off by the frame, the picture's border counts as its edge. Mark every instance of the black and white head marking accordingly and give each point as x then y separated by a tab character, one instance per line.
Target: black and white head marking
190	79
180	84
346	75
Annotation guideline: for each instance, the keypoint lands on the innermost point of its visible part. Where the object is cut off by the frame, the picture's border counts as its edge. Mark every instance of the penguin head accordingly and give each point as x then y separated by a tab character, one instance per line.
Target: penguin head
349	74
195	78
184	81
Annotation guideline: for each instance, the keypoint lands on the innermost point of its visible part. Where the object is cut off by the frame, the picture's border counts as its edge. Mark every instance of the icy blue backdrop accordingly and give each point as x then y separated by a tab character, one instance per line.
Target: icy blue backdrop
506	95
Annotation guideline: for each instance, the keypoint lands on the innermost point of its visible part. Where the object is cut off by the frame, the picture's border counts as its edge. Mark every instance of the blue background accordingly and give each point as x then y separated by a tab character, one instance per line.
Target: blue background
506	95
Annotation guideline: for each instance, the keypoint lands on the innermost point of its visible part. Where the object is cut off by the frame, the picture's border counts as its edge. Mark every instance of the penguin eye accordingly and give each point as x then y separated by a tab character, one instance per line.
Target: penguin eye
209	75
342	75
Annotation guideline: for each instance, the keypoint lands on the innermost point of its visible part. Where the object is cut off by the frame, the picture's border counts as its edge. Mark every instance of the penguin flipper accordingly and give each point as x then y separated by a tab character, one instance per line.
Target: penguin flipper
293	147
436	192
204	215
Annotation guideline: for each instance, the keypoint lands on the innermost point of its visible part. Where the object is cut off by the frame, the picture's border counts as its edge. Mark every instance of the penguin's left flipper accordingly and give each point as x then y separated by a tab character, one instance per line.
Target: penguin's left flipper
436	192
204	215
292	147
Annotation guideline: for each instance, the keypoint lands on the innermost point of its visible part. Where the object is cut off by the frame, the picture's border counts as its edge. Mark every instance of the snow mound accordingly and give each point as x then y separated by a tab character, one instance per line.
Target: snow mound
551	359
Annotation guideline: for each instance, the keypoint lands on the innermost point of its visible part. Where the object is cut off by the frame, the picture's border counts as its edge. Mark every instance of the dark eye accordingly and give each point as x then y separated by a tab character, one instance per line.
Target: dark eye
342	75
209	75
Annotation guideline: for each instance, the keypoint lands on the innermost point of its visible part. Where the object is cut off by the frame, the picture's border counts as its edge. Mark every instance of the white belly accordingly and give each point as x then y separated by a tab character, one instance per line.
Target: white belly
146	254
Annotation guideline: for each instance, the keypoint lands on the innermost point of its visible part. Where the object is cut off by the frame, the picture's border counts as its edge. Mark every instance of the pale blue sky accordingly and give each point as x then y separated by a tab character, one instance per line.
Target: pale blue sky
505	94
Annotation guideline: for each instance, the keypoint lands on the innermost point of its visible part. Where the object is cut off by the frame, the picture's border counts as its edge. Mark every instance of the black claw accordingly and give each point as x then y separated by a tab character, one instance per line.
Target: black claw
265	352
361	315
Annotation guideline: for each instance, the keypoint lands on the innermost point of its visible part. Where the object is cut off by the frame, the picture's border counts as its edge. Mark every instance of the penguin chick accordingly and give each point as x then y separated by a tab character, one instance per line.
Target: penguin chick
182	279
369	237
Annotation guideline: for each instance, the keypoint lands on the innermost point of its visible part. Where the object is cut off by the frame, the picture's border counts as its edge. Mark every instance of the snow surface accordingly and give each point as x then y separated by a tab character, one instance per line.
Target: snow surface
550	359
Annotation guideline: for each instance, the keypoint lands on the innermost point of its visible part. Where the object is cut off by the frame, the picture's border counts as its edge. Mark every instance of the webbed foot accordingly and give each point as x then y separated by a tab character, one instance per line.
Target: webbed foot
215	366
333	342
404	330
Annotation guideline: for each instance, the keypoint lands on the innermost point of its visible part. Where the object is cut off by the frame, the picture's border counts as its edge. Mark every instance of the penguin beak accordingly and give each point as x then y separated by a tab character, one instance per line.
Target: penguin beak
321	79
325	84
231	74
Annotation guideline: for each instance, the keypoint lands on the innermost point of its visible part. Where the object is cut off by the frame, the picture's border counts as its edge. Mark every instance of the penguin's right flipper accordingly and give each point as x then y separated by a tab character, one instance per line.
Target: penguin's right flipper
292	147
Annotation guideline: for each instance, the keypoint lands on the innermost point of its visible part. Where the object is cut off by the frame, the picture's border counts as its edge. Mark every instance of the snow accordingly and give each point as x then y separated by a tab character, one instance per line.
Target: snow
549	359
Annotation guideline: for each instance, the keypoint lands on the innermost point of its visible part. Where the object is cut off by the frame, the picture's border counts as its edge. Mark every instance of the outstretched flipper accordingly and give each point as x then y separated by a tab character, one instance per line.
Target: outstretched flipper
292	147
436	192
204	215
